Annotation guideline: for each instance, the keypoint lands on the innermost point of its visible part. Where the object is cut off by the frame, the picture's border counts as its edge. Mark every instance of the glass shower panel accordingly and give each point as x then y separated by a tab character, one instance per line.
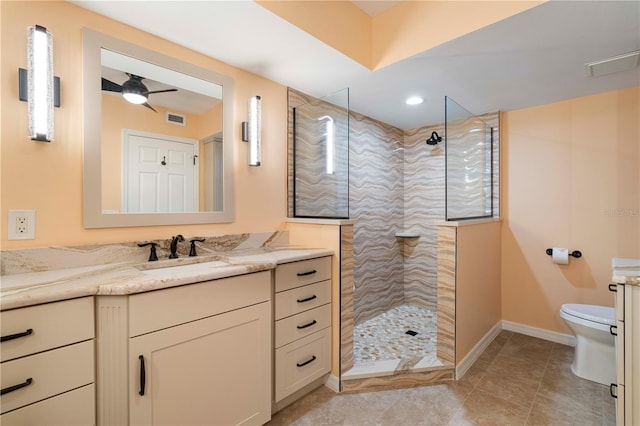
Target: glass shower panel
321	157
468	164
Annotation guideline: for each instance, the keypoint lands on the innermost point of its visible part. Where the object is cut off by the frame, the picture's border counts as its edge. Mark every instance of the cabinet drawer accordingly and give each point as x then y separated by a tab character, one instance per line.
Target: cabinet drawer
302	299
74	408
303	324
186	303
294	274
301	362
52	372
53	325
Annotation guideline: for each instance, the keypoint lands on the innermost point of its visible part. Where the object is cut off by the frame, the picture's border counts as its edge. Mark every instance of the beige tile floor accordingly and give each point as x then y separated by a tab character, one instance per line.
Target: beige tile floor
517	380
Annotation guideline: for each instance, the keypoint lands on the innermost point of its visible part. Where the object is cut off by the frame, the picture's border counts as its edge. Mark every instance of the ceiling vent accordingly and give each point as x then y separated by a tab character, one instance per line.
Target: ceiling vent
174	118
620	63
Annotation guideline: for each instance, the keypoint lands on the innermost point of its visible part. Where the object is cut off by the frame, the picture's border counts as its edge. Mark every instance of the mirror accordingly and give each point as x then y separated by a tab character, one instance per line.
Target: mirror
167	160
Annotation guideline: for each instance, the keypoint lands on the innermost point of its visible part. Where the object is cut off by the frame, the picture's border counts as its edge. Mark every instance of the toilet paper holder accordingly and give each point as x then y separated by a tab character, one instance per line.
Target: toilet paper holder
575	253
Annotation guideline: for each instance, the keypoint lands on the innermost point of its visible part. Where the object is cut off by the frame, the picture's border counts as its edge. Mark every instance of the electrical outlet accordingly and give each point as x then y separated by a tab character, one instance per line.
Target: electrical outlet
22	225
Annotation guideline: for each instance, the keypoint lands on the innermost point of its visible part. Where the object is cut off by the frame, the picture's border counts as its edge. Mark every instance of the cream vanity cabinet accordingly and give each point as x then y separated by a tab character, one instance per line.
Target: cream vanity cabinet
627	354
193	354
47	369
302	326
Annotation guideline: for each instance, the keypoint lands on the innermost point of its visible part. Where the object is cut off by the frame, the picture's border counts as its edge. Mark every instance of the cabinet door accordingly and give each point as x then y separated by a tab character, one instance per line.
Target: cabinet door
214	371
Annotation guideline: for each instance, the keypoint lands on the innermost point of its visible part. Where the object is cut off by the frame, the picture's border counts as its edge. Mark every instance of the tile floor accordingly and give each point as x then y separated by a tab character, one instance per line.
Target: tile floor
517	380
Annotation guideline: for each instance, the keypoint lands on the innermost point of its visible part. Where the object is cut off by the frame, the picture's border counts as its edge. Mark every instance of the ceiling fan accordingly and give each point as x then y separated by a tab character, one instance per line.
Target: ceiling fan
133	90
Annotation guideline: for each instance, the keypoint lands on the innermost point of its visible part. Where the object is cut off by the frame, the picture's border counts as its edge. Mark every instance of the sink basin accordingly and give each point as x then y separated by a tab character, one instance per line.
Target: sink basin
180	269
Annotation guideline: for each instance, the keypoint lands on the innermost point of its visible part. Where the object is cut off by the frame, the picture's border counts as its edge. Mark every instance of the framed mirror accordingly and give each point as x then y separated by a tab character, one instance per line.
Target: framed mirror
165	158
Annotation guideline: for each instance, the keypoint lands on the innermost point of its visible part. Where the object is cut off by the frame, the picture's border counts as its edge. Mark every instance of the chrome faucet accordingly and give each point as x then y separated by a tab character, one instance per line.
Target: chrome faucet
174	246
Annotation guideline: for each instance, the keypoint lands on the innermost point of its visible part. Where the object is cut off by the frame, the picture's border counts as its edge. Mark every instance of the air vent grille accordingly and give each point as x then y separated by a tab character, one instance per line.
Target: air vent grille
174	118
620	63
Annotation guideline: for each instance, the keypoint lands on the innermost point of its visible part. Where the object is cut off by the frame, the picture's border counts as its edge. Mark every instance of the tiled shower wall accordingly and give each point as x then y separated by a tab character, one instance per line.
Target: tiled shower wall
396	183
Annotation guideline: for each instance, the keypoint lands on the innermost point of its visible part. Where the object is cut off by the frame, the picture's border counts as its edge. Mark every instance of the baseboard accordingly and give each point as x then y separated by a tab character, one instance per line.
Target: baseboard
552	336
477	350
333	383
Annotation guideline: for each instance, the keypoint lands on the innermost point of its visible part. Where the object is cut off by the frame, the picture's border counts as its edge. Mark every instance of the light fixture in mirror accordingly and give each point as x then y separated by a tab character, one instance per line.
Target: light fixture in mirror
167	160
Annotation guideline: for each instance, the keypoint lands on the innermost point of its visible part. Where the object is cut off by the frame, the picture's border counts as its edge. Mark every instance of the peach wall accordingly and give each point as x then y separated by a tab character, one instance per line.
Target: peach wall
478	298
47	177
572	179
340	24
398	33
412	27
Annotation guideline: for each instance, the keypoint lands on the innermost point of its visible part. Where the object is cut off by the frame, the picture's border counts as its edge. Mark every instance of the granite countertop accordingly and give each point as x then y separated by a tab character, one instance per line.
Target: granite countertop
125	278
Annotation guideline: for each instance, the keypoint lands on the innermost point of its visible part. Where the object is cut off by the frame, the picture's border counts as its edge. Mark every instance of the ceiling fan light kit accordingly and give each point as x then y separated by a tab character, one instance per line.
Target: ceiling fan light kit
133	90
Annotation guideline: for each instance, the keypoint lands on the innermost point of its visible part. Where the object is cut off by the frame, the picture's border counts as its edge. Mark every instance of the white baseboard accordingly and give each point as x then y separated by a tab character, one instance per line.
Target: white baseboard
477	350
552	336
333	383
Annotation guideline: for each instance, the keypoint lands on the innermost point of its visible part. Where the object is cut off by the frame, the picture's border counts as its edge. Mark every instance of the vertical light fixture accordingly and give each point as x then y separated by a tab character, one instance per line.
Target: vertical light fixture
330	145
252	130
38	86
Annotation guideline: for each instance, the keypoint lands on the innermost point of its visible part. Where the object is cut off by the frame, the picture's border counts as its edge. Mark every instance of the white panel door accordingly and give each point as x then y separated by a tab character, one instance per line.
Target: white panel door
159	173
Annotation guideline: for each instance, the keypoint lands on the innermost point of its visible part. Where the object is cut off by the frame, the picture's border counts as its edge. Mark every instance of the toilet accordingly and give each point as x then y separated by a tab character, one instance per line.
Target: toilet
595	355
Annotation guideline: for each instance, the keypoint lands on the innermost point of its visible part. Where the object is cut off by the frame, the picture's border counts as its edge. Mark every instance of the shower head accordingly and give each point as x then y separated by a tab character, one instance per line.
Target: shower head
434	139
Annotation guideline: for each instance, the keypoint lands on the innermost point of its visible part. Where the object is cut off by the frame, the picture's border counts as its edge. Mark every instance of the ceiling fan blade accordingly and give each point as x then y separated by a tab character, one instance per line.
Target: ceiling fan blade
162	91
110	86
149	106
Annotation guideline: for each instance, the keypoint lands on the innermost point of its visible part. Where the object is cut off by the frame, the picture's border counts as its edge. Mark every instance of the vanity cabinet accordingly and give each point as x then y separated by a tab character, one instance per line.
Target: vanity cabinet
47	364
194	354
302	343
628	354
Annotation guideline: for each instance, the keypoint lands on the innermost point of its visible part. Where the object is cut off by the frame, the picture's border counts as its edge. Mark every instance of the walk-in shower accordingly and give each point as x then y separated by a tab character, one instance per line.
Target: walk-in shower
396	189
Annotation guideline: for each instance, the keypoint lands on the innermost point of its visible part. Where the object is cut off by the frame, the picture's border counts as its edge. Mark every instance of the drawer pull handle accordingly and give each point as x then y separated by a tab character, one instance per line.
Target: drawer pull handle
16	387
613	330
309	361
300	327
143	375
308	299
613	288
16	336
304	274
611	386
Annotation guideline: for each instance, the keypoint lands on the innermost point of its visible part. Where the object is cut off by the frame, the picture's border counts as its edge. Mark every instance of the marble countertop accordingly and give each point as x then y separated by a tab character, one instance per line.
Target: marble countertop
124	278
626	277
625	271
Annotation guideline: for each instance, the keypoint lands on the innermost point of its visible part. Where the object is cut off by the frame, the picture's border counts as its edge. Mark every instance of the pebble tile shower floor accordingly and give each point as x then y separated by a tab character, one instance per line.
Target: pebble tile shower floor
385	337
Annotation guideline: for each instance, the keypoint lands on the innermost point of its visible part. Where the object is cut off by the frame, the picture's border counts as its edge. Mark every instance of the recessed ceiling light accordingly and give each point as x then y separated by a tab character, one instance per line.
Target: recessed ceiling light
414	100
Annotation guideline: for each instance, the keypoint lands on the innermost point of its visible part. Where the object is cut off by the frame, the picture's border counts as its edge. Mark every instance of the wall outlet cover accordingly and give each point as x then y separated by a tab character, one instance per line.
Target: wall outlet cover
22	225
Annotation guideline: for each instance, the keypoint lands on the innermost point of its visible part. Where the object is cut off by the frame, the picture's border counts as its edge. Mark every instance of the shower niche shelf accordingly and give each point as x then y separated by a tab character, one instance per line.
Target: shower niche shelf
407	234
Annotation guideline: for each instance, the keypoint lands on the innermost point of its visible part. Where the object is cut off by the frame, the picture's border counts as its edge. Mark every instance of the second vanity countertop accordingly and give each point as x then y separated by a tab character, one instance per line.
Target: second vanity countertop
20	290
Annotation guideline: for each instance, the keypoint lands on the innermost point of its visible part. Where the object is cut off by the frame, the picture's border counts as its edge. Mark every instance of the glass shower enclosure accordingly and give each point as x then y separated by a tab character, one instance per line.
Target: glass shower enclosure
470	158
321	157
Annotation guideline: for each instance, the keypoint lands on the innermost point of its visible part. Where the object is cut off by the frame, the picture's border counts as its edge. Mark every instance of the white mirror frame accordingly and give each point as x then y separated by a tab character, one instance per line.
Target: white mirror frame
92	43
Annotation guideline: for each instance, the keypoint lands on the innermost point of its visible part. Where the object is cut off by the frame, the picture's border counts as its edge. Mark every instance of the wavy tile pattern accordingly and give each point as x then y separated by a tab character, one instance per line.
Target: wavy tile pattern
316	192
424	204
376	203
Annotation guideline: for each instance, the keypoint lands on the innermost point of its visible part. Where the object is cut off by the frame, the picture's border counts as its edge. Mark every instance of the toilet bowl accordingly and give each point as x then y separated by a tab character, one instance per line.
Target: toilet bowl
595	356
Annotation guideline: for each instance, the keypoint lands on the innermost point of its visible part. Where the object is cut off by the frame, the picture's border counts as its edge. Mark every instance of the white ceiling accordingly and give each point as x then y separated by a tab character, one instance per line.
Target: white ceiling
533	58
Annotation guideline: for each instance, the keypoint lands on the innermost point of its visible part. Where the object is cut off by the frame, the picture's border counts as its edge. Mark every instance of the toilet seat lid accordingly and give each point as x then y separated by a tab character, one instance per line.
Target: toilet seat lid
601	314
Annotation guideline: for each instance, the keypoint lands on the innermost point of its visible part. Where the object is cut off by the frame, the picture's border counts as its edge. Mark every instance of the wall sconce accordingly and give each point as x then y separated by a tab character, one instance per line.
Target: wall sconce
251	131
330	145
37	84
